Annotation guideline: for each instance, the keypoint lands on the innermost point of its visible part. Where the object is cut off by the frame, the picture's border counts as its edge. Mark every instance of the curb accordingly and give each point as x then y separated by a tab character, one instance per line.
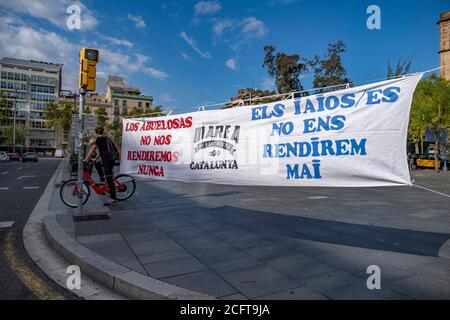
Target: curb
111	275
48	260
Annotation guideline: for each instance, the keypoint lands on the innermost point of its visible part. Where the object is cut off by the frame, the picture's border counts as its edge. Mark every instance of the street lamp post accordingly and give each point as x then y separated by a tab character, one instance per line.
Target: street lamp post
14	117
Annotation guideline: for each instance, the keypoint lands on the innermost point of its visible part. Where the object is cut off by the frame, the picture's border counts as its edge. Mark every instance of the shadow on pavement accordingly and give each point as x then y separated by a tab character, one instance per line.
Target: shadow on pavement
339	233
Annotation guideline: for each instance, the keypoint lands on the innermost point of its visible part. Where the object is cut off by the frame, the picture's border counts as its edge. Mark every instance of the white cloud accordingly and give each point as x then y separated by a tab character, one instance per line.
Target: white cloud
220	26
207	7
185	57
18	40
253	28
53	11
115	41
232	64
239	32
190	41
138	21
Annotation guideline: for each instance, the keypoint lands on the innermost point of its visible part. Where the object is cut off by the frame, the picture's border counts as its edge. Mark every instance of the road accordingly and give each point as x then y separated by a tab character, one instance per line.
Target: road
21	186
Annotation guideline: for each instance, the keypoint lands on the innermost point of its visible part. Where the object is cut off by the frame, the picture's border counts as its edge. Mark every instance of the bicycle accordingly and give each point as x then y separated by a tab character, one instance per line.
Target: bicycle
125	188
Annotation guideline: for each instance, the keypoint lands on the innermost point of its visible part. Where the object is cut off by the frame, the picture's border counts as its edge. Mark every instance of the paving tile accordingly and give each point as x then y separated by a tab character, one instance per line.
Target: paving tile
422	287
359	291
237	296
328	281
258	281
205	282
234	264
299	266
153	246
174	267
225	253
270	251
201	243
163	256
302	293
142	236
109	247
100	238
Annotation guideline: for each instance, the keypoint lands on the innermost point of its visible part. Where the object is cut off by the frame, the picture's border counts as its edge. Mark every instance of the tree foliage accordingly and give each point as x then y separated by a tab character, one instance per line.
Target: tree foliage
6	135
329	70
430	109
285	69
59	115
102	116
251	96
401	68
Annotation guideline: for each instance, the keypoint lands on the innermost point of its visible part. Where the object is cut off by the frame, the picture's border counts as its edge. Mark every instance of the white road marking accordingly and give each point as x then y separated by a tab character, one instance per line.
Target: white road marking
30	188
6	172
4	188
19	168
6	224
22	177
434	191
317	197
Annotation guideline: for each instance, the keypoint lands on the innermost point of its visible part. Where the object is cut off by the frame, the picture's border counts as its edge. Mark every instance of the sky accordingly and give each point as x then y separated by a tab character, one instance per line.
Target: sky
189	53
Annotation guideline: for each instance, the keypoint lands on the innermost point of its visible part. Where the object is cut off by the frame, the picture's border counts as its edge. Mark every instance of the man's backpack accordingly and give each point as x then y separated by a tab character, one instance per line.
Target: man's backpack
112	153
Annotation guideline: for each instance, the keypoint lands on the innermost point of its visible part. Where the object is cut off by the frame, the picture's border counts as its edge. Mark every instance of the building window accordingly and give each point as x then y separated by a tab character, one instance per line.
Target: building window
14	76
140	105
124	107
147	105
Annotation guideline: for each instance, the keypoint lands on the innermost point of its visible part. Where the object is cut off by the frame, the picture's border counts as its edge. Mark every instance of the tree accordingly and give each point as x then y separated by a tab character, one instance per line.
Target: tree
3	106
250	96
330	71
102	116
143	113
431	108
59	116
6	135
285	69
401	68
115	131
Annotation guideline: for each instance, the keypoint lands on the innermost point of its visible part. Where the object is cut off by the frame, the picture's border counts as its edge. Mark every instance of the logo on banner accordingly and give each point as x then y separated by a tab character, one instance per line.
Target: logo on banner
224	137
218	141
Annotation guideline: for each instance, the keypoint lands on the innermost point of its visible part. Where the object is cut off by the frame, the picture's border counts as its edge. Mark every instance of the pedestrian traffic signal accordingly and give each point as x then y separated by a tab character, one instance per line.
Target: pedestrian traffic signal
88	61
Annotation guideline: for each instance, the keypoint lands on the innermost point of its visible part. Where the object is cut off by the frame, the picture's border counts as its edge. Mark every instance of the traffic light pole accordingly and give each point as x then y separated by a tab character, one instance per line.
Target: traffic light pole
81	151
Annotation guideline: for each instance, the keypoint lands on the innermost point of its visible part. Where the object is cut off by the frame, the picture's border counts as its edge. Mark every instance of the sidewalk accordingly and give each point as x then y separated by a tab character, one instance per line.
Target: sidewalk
231	242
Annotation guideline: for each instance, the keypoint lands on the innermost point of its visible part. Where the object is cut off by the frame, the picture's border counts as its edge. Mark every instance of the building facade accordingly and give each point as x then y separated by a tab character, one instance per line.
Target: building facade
444	52
124	98
29	86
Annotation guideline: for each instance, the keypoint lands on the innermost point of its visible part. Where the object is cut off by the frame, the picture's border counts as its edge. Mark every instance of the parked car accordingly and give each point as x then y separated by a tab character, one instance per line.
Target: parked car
14	156
30	156
4	156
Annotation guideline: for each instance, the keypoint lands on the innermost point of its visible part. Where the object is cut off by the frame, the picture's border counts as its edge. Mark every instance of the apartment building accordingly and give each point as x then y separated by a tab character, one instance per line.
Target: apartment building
29	86
124	97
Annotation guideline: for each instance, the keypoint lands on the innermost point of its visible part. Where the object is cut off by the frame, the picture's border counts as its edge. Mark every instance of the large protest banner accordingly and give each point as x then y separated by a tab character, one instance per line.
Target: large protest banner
349	138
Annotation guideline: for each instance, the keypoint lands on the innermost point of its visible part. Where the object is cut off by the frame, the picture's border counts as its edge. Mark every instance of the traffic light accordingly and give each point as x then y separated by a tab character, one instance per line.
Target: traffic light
88	61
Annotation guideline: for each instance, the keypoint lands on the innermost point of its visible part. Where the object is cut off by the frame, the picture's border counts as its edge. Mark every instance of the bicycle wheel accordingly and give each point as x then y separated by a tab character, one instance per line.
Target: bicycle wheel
68	193
125	186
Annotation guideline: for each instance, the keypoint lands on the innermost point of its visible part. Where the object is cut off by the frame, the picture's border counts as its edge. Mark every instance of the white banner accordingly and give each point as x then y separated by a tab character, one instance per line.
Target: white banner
349	138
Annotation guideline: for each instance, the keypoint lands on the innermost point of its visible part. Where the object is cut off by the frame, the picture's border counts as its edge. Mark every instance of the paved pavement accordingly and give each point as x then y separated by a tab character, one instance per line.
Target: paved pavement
236	242
21	186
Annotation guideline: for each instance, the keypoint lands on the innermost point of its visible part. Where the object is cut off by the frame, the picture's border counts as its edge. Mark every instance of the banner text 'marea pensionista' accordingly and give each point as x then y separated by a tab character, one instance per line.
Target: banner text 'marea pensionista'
352	137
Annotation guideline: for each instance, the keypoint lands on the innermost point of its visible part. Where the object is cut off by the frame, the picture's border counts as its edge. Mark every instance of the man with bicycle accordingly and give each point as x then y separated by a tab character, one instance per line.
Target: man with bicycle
108	155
